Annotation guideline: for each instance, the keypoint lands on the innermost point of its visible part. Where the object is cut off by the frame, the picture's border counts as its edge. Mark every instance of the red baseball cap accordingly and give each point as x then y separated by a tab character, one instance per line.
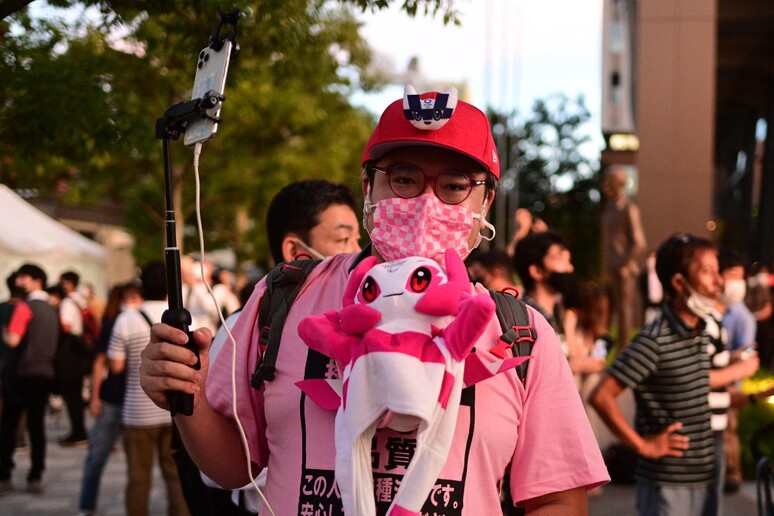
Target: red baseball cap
436	119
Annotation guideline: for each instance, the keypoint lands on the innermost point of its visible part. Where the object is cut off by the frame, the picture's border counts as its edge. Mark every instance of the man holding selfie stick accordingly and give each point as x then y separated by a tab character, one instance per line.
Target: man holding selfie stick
441	172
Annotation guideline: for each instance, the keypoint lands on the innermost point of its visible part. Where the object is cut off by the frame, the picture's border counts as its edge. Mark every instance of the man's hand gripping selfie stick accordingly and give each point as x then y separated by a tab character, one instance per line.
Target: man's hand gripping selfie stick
170	127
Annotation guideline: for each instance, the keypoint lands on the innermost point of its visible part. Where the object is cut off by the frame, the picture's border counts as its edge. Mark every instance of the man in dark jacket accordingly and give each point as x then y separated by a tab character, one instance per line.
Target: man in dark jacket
32	334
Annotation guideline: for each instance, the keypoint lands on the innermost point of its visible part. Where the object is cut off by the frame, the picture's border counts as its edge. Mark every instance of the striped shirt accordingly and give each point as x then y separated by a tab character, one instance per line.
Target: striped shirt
131	333
719	397
668	367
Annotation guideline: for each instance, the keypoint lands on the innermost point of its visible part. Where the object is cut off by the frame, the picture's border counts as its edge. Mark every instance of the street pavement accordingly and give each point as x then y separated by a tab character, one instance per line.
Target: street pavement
62	480
64	467
618	500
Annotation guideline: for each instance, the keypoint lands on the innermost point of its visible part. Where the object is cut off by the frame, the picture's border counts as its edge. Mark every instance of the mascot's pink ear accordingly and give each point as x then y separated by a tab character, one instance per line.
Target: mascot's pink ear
356	278
455	269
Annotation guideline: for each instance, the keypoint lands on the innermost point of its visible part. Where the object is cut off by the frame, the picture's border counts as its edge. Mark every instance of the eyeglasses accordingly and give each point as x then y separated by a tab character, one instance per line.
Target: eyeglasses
408	181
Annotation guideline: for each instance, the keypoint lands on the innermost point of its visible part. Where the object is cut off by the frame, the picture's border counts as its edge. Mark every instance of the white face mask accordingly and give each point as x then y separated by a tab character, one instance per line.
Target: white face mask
734	291
701	305
309	249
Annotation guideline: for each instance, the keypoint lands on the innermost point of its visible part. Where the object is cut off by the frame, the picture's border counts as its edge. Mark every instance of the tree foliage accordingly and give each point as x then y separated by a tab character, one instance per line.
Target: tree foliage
556	179
411	7
78	104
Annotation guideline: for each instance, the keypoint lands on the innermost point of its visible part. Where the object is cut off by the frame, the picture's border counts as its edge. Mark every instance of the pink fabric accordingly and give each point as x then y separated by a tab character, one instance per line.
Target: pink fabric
323	392
411	344
502	420
421	226
477	370
400	511
403	373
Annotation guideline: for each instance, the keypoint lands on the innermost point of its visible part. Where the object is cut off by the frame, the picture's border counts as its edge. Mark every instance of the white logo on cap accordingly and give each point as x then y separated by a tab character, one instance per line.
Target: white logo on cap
494	156
430	113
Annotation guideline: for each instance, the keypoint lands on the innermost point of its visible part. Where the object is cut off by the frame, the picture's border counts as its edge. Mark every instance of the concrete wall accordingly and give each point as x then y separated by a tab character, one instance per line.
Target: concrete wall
676	54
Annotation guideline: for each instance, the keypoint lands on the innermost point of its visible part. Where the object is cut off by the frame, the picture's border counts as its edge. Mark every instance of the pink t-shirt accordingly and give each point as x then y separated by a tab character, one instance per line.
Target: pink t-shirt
541	430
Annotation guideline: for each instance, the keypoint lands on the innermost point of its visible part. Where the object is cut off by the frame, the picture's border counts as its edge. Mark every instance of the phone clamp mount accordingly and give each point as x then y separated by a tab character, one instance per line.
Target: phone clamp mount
230	19
170	127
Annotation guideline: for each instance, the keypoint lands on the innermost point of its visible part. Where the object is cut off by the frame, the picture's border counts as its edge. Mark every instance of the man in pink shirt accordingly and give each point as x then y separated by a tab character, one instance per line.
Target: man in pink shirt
430	173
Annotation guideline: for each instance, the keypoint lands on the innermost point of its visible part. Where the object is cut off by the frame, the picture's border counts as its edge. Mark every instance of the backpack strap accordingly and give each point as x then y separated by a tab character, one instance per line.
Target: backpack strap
283	283
518	334
147	319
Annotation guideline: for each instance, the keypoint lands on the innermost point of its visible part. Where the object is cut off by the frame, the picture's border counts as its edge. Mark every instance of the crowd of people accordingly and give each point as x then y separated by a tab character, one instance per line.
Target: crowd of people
704	332
430	174
64	348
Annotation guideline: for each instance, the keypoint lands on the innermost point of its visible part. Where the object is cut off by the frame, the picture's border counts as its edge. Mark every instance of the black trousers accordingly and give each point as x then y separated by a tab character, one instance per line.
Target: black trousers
29	394
71	390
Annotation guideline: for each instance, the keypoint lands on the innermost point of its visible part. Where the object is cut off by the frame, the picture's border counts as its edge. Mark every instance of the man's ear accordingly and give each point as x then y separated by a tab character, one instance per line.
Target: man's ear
489	199
536	272
364	184
290	247
678	282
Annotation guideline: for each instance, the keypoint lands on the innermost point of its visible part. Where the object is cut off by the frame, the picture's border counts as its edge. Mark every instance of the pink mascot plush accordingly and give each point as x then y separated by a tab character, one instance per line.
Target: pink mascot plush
402	337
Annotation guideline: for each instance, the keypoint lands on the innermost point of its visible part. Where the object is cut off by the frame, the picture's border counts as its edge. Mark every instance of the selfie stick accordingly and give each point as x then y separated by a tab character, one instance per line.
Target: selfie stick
170	127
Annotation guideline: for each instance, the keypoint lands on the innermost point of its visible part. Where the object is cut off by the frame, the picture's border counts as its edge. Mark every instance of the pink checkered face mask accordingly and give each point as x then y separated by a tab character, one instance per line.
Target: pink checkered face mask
422	226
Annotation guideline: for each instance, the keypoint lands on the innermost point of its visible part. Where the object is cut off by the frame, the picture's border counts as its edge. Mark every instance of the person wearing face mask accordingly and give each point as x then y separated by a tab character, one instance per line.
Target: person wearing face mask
738	321
492	268
305	220
430	174
740	327
543	263
312	219
726	337
668	365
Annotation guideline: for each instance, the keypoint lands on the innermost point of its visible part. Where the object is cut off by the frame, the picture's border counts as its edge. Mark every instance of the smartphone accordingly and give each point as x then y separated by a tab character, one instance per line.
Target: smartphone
211	71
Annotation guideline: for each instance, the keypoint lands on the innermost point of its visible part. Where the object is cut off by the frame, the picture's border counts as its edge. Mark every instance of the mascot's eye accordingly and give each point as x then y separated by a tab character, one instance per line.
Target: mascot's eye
437	114
420	279
370	290
417	115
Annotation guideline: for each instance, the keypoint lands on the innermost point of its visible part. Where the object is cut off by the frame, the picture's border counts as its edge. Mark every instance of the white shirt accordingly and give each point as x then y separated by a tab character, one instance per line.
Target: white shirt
131	333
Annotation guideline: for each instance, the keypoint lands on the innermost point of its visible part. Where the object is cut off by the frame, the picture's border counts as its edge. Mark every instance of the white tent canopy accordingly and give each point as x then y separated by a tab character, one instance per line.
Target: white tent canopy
29	235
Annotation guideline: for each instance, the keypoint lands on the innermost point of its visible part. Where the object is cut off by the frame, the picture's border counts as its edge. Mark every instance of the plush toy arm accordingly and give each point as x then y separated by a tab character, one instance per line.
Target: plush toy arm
323	333
358	319
470	323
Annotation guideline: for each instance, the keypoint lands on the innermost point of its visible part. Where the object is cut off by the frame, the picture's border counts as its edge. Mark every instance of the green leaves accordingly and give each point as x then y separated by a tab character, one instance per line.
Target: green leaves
551	155
80	100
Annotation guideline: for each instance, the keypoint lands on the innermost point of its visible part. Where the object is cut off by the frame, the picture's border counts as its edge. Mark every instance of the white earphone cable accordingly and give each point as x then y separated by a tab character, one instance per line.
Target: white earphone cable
242	434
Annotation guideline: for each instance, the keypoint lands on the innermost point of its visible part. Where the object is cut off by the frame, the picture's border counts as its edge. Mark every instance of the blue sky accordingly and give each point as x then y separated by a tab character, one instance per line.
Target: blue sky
529	49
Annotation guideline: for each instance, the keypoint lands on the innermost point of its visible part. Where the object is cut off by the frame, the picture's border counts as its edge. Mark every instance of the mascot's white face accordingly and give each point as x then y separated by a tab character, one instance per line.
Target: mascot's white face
394	288
429	113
